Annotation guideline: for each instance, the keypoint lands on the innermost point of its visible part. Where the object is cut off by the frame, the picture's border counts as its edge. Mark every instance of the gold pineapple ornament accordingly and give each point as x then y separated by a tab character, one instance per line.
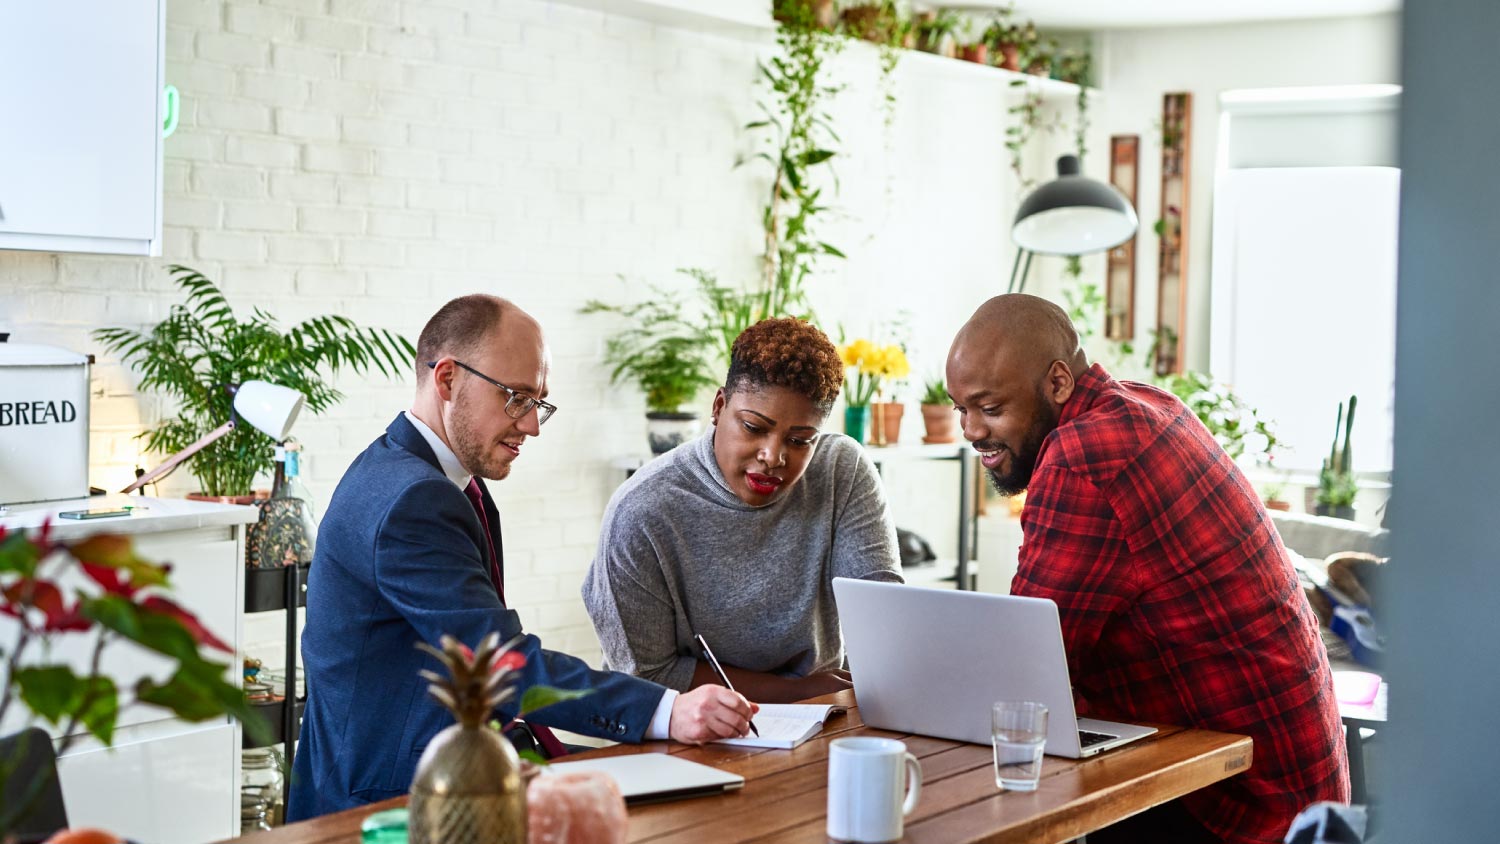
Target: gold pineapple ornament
468	787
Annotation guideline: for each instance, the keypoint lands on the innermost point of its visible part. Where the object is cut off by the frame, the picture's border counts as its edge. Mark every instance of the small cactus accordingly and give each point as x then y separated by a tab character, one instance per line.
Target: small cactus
1336	484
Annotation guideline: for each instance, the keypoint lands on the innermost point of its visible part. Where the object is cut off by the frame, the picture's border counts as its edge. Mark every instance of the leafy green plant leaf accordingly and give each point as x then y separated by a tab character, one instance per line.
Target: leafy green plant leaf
537	697
19	555
199	692
48	689
56	694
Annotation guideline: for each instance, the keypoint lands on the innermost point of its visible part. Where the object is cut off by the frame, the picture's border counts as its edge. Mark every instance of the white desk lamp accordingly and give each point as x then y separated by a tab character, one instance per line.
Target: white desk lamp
269	408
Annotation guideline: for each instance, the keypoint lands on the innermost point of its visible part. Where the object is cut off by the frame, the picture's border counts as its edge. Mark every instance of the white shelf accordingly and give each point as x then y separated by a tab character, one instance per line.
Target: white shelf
739	18
1049	88
150	515
751	20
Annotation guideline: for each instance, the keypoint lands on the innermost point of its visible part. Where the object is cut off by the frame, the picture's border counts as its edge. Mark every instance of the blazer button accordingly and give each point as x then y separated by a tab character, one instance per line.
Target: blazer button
620	729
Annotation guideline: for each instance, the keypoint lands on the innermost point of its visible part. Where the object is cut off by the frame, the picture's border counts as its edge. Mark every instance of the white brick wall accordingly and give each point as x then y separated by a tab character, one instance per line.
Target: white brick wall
378	158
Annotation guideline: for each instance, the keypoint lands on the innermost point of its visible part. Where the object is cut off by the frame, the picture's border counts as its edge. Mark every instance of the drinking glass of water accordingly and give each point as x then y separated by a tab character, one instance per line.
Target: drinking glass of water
1019	731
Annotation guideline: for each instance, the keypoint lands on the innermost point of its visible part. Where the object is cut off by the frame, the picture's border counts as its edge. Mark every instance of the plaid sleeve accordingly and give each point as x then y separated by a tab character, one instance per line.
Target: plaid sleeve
1073	554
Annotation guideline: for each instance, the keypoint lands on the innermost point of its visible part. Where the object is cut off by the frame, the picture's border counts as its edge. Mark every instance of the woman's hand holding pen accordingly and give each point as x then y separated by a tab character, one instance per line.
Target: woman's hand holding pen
708	713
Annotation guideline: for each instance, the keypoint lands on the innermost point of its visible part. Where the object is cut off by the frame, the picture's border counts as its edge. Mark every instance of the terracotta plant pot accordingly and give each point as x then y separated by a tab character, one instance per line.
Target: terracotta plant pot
885	422
824	14
941	422
258	495
1277	504
1009	58
977	53
866	23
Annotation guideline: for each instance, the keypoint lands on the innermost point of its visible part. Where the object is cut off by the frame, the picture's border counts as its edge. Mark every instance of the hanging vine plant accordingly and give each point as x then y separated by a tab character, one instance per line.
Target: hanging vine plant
800	138
1077	67
1026	122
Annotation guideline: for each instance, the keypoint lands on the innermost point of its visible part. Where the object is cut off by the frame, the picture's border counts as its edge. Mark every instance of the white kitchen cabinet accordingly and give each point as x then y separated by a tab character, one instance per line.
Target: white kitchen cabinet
81	126
164	781
175	789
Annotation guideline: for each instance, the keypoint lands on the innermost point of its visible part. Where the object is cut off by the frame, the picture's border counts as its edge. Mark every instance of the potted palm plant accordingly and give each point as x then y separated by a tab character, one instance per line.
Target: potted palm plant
202	351
669	355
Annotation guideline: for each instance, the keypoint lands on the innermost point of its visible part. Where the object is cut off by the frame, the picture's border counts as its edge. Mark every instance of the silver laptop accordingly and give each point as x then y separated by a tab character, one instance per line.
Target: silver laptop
655	777
933	661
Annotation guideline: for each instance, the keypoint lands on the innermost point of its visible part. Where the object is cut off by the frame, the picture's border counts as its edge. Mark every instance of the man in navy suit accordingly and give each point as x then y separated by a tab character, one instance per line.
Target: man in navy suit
404	556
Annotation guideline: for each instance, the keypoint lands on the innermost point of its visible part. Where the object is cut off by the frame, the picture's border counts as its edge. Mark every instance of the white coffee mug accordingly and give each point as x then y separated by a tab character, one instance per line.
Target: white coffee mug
866	780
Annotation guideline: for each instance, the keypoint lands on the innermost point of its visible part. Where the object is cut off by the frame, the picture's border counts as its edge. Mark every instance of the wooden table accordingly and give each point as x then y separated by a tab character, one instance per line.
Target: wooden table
785	793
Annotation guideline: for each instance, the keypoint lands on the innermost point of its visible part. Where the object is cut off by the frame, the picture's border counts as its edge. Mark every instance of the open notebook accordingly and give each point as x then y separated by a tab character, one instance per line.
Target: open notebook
783	726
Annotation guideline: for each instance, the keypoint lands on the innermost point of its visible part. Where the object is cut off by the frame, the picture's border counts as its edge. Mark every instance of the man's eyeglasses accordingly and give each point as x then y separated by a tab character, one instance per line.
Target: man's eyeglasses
519	403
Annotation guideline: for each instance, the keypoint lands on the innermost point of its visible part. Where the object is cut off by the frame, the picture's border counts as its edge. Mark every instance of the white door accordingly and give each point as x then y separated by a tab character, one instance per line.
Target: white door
80	131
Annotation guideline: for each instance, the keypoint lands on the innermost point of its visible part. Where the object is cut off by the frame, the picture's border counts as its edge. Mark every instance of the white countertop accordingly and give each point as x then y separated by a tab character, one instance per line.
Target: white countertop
148	515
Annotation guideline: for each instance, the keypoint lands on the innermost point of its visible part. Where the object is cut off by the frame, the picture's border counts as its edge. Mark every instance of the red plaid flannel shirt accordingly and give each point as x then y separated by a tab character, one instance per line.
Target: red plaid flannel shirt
1179	604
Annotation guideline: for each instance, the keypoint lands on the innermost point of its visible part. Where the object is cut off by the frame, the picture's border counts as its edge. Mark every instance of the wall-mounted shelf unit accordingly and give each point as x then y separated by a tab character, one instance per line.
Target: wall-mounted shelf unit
1119	267
1172	232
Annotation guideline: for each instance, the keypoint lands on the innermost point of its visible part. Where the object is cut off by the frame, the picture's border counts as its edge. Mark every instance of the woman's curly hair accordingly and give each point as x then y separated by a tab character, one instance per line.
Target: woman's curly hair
786	352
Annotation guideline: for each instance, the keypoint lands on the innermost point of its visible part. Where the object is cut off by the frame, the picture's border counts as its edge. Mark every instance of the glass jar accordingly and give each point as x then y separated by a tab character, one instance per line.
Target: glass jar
261	787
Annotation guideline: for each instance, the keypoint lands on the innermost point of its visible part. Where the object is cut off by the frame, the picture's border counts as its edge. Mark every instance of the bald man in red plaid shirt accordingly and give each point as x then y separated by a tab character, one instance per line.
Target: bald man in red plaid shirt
1179	603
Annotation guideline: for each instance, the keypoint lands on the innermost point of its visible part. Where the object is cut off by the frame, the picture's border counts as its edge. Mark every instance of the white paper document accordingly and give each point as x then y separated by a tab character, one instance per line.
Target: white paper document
783	726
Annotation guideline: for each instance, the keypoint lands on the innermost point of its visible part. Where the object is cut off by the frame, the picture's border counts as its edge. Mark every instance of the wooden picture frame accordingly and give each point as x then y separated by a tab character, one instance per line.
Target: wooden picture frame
1119	265
1172	233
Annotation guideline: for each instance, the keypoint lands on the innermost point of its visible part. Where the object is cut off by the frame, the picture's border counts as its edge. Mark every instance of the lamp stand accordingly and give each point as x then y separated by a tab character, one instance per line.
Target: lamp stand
172	462
1024	271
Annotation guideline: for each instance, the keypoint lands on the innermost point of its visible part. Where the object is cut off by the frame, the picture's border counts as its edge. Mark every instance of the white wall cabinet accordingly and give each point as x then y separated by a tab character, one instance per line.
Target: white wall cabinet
80	126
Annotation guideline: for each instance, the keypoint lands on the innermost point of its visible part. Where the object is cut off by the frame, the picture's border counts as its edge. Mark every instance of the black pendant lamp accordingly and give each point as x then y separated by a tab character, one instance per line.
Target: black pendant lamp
1070	215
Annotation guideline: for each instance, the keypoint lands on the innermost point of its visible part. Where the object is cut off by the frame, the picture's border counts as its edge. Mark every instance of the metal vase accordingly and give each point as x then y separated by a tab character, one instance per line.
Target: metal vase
468	790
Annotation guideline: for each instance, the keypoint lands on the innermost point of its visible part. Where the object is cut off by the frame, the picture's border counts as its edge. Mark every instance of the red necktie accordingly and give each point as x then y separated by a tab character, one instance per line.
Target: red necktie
476	498
551	745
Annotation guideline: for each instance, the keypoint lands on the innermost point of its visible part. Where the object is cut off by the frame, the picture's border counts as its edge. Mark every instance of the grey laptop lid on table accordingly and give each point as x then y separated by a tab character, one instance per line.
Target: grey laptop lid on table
655	777
933	661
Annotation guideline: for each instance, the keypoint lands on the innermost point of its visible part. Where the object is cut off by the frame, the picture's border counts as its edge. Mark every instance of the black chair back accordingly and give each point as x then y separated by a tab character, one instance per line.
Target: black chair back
30	786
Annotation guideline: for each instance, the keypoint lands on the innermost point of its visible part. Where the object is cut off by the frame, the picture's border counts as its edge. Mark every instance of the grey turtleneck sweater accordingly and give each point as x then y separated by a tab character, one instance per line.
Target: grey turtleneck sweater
679	553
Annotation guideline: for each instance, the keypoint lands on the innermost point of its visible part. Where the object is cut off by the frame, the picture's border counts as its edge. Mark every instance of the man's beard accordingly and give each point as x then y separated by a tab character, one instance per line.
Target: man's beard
1022	463
470	447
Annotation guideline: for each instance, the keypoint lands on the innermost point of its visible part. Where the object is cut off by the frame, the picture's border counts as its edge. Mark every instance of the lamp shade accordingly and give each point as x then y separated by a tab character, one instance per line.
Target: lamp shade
1073	215
271	408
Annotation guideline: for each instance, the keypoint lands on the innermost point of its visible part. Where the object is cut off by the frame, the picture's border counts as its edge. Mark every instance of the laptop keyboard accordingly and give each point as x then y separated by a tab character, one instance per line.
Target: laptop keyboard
1088	739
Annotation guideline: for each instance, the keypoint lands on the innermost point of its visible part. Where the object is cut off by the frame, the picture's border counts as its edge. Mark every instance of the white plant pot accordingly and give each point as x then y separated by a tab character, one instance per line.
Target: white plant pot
666	431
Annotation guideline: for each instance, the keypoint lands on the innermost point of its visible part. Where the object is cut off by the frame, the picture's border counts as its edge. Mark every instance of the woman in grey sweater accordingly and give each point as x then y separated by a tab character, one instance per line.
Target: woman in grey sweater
738	535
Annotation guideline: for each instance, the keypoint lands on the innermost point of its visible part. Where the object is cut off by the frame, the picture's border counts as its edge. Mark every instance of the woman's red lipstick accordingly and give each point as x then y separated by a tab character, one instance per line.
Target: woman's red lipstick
762	484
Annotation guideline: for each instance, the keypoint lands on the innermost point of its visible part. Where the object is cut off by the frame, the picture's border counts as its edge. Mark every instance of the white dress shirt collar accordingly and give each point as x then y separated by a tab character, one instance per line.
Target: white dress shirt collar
446	458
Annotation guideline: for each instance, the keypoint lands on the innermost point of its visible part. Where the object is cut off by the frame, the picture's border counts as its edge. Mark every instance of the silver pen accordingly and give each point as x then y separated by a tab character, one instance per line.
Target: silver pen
713	663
